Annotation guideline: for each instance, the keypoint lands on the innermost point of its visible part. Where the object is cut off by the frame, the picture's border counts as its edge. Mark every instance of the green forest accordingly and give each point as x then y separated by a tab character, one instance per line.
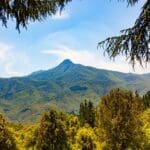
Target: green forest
64	87
121	121
80	107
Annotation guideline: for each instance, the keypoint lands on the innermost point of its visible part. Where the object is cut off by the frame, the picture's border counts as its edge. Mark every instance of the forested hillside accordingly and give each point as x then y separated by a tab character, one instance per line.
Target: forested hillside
63	87
120	121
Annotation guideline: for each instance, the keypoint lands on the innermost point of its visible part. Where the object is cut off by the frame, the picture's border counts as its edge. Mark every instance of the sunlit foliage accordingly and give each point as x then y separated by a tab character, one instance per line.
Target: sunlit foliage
52	134
121	122
118	115
145	117
85	139
7	141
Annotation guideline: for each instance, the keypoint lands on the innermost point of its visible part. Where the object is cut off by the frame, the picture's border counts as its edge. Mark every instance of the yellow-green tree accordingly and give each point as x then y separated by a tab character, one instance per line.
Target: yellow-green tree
52	134
72	126
6	139
119	118
85	139
31	137
146	129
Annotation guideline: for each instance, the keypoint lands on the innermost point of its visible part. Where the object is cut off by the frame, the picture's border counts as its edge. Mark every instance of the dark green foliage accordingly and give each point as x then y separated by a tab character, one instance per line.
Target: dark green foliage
146	100
86	113
78	88
23	11
119	117
6	140
52	134
133	42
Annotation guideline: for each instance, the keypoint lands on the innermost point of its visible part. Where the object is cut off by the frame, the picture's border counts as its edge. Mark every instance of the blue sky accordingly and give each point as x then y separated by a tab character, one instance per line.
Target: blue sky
74	34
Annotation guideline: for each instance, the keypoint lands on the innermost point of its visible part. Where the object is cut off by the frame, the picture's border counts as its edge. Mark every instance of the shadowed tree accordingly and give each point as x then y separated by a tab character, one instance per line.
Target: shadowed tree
86	113
146	100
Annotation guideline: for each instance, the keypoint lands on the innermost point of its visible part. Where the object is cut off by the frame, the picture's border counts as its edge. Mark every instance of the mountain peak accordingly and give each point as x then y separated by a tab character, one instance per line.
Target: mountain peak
65	65
67	62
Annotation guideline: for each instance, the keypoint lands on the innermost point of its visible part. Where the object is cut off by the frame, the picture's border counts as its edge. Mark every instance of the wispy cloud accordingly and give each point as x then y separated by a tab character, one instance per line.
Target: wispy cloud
11	61
92	58
61	15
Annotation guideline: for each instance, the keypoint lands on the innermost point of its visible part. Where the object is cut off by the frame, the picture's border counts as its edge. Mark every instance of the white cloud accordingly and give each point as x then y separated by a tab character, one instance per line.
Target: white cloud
60	15
10	71
93	58
11	61
4	51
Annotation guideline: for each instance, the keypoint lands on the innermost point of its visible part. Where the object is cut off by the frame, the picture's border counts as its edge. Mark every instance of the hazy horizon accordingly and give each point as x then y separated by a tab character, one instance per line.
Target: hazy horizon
34	71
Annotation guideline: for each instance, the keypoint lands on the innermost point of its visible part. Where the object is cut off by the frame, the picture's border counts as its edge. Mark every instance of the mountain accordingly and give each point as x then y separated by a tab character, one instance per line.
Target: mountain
63	87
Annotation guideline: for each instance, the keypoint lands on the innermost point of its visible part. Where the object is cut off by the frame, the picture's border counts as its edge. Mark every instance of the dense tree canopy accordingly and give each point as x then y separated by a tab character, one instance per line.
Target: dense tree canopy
52	134
118	114
86	113
85	139
7	141
146	128
120	123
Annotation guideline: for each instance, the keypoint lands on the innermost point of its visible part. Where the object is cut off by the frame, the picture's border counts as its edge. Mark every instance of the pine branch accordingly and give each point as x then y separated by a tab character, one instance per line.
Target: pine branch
134	42
23	11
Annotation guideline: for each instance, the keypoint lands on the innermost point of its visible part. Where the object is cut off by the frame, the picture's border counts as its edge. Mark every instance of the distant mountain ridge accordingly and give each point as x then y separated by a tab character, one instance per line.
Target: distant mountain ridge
63	87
